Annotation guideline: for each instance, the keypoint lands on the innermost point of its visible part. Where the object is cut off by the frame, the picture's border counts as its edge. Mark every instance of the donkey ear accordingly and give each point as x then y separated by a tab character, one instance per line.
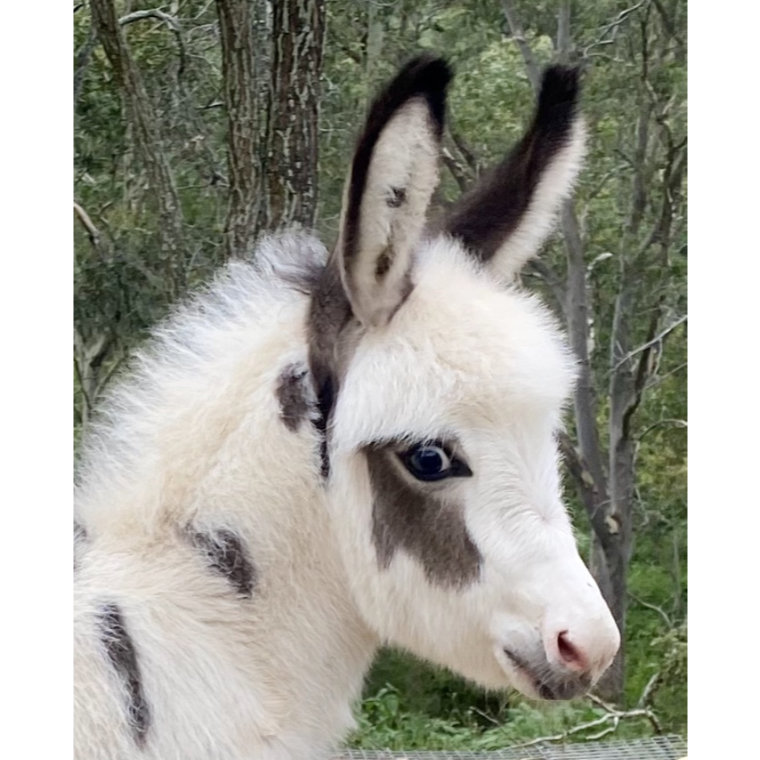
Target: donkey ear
393	175
507	216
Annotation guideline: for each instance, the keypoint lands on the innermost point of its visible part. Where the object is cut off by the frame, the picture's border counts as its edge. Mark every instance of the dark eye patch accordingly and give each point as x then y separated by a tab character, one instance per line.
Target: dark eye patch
419	520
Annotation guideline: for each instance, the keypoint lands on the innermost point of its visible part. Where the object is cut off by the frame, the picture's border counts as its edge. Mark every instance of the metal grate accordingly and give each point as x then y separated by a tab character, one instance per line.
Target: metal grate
654	748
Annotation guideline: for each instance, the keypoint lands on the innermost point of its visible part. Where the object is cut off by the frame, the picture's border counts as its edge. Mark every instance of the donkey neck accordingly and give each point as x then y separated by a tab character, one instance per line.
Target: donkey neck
222	467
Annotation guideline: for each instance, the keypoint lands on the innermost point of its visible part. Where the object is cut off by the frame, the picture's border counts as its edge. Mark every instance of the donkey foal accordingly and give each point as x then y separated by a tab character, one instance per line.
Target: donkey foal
321	453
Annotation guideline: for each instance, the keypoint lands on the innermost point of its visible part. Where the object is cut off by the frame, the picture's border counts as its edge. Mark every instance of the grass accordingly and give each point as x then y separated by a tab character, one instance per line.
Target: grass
386	722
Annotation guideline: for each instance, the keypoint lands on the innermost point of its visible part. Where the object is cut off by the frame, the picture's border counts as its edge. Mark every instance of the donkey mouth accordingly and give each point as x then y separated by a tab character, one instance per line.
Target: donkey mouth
545	682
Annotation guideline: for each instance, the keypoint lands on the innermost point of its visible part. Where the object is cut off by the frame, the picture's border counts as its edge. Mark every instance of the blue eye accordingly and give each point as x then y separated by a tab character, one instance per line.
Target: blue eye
431	461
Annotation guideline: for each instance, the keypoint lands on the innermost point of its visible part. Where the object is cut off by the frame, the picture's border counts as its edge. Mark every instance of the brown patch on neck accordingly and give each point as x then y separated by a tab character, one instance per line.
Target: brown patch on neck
121	652
226	554
417	520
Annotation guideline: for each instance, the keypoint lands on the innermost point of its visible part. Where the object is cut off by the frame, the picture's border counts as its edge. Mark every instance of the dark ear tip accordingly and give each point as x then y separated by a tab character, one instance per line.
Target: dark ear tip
426	75
426	72
560	86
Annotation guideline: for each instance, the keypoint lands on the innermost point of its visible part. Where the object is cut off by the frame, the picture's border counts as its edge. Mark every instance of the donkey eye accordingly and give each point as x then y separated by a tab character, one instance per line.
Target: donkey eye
431	461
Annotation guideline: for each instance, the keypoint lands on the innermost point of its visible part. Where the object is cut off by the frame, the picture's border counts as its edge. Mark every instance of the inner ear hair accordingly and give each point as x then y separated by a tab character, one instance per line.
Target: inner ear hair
393	175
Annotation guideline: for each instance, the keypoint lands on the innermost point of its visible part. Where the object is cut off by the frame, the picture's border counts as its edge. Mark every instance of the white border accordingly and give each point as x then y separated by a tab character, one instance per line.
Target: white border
724	379
35	297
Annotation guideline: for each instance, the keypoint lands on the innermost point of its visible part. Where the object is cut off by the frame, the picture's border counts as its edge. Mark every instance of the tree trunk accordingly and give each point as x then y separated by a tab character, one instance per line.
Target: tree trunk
291	140
144	129
598	493
240	98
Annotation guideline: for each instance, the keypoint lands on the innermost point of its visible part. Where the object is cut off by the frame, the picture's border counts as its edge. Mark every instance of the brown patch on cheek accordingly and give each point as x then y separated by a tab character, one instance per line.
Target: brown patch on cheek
416	520
293	395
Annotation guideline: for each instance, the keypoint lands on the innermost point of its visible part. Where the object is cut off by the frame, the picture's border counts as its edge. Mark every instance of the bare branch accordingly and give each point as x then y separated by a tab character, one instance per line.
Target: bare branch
519	37
612	28
657	338
92	230
659	378
466	151
612	715
170	21
648	689
638	712
669	421
653	607
458	171
105	379
593	192
539	268
165	18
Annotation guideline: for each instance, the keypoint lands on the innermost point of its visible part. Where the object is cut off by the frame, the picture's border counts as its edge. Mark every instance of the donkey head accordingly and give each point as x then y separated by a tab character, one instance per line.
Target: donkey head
441	387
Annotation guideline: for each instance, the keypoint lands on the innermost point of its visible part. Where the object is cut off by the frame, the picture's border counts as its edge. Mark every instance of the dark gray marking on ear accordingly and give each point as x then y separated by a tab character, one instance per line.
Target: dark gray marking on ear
293	395
486	216
417	520
384	261
226	553
397	197
121	652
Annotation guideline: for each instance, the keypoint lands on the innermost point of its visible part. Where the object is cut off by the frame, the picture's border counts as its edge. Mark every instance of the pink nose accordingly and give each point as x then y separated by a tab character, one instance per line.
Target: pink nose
586	652
570	654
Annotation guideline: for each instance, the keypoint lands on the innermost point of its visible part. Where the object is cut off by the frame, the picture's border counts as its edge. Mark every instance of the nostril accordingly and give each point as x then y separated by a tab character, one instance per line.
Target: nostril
571	655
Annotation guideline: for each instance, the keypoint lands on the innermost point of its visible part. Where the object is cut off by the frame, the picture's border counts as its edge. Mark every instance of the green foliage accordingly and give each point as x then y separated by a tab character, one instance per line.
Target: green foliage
669	652
389	719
